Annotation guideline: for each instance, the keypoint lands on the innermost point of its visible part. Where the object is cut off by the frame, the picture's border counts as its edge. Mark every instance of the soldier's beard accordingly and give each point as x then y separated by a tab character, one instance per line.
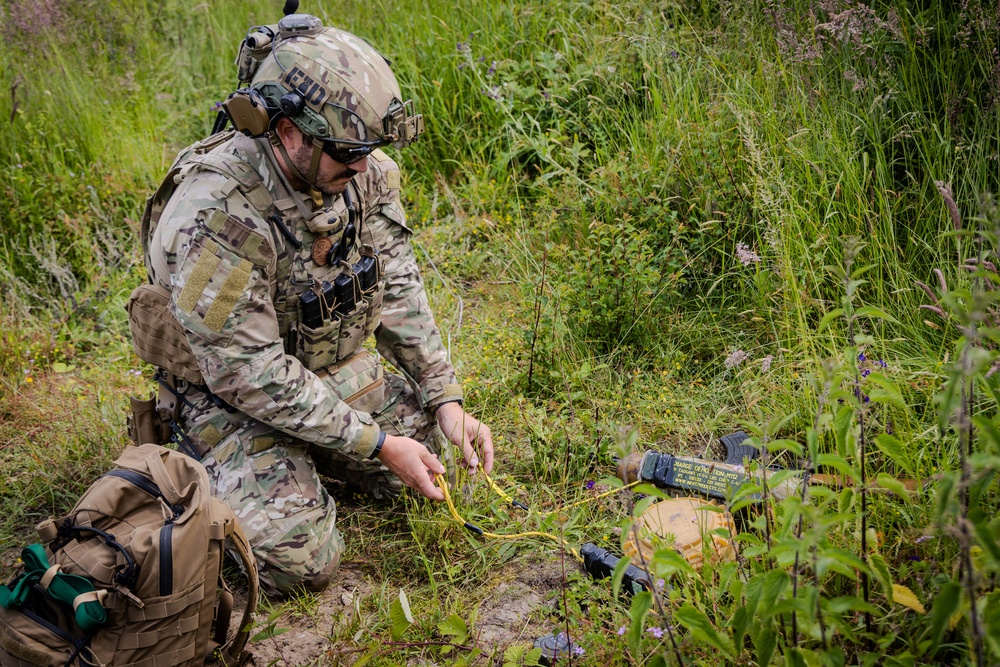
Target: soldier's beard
332	177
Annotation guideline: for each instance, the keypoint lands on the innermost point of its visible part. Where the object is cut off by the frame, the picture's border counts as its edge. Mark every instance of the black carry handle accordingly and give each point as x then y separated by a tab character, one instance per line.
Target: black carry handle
127	575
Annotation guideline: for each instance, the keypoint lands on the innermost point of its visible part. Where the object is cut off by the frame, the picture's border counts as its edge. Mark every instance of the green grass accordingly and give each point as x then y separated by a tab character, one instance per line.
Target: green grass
587	174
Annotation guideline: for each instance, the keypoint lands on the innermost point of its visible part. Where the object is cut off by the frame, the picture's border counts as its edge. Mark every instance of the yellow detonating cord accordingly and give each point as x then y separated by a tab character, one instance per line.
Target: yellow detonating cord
597	497
443	485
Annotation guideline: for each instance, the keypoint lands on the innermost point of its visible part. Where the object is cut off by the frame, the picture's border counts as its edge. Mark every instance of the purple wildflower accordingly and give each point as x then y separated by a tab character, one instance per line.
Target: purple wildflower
621	631
882	364
546	94
579	650
746	255
861	356
492	69
866	372
656	632
735	359
765	363
590	484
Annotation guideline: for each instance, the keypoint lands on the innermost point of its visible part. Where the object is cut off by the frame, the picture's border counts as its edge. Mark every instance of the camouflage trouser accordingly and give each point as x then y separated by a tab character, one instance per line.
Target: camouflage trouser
272	482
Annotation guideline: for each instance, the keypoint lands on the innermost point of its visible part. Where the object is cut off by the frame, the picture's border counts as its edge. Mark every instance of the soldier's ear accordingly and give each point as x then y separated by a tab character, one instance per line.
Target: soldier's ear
290	135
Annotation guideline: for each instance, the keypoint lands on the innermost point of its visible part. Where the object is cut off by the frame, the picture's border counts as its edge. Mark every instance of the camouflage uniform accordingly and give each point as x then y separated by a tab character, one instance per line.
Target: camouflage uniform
269	413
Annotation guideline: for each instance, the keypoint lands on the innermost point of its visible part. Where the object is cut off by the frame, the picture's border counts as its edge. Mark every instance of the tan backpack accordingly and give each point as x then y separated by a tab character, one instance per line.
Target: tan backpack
133	575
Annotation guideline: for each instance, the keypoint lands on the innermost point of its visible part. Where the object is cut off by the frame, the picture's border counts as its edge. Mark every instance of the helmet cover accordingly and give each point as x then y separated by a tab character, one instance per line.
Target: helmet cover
348	92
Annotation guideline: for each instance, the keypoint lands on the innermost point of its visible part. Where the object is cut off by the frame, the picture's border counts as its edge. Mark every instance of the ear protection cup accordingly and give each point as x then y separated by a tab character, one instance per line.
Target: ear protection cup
248	111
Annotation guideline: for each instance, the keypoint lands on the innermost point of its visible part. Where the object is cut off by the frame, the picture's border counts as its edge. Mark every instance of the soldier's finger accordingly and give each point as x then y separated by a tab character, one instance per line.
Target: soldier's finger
469	453
425	479
431	462
485	438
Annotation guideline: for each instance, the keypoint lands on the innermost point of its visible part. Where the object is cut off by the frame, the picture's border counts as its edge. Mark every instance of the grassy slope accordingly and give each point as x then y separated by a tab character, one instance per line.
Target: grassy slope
588	172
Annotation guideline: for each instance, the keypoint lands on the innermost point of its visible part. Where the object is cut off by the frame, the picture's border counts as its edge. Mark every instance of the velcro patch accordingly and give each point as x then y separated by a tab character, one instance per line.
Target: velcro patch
238	236
215	282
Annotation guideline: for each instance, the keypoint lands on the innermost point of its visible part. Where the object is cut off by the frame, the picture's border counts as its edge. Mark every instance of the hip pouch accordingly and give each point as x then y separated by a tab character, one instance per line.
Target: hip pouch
157	336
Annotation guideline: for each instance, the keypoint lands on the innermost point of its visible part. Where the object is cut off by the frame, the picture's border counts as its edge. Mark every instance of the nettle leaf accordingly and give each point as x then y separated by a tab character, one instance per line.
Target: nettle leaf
784	444
400	615
945	604
987	535
991	619
904	596
988	431
881	572
513	654
754	588
893	448
767	639
637	612
890	483
667	562
843	428
775	583
885	391
872	312
454	626
618	574
739	622
701	628
839	464
848	603
828	318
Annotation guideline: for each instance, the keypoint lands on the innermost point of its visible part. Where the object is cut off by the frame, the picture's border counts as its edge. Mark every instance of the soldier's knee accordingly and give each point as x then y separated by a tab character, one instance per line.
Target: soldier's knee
315	582
282	575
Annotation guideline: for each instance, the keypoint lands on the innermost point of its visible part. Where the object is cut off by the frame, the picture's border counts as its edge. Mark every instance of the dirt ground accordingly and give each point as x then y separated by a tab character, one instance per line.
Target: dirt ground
510	614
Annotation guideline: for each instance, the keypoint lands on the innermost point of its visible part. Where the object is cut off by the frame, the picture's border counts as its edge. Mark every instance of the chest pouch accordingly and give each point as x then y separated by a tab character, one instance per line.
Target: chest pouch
318	331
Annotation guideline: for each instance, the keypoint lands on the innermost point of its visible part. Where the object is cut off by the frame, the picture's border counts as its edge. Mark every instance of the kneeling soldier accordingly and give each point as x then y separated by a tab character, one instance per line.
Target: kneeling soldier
279	249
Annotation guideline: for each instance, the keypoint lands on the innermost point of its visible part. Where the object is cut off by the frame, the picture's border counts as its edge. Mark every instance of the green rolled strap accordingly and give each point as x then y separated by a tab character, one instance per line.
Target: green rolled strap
74	590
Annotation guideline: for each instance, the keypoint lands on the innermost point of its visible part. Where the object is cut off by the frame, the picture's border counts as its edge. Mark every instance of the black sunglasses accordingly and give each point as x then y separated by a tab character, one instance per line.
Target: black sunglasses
347	153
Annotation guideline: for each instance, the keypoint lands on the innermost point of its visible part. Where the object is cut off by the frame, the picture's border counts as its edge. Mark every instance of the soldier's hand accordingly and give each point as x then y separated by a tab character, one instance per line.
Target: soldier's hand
412	463
467	433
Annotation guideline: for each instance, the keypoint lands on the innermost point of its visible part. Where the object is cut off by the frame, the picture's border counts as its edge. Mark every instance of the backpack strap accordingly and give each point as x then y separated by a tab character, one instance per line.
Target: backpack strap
229	529
241	175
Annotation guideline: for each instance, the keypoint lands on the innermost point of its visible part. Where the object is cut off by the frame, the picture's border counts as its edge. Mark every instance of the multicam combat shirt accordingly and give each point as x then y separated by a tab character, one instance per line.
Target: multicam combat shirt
235	281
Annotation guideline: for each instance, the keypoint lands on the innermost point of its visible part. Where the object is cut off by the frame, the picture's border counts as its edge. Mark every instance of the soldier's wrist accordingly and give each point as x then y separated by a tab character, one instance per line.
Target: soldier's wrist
378	446
437	407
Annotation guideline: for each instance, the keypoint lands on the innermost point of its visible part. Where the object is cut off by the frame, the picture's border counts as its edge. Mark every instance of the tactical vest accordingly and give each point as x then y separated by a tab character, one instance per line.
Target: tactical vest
325	312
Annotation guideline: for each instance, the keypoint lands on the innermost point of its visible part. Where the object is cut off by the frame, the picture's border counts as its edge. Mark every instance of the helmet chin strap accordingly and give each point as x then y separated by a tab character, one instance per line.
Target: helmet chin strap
317	153
268	143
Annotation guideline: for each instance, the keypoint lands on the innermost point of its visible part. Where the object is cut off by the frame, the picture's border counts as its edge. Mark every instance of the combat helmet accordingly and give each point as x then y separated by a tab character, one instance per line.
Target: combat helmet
336	88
